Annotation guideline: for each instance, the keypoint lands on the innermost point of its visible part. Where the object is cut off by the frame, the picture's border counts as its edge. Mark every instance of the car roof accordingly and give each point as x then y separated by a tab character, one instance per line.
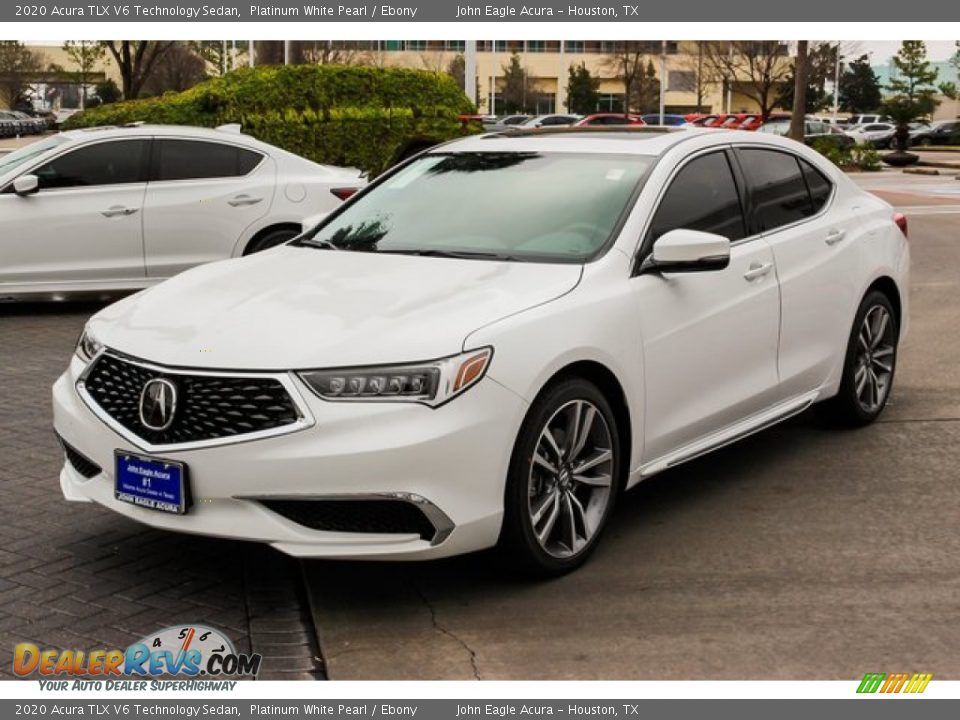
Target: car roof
617	139
224	132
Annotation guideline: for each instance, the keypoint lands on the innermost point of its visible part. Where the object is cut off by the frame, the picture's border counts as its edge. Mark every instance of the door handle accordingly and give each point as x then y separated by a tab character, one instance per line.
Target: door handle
241	200
118	210
757	270
835	236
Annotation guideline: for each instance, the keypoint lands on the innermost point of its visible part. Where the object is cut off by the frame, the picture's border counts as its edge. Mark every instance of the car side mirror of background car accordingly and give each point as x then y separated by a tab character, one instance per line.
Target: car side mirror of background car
684	251
26	185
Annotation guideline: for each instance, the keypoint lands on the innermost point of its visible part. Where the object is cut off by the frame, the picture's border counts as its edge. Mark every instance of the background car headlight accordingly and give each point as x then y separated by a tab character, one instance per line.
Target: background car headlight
87	347
431	383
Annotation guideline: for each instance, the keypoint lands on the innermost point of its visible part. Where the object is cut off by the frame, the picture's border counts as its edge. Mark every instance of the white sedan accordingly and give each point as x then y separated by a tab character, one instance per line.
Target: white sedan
120	208
406	381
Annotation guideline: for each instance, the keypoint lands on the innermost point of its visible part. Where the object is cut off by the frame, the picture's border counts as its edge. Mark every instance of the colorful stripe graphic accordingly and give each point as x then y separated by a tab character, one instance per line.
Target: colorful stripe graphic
894	682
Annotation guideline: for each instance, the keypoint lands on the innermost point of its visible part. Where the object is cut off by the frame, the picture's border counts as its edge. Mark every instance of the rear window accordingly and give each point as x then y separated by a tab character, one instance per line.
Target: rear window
516	205
780	195
198	160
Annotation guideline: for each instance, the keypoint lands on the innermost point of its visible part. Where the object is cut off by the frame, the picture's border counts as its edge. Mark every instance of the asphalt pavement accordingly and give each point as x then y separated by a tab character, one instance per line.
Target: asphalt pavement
803	552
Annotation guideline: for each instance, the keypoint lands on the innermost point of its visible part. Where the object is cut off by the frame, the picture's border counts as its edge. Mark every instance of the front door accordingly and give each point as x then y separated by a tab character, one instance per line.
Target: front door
709	338
84	223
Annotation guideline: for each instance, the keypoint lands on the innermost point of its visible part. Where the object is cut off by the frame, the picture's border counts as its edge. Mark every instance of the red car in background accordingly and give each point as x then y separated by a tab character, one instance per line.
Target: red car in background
710	121
610	119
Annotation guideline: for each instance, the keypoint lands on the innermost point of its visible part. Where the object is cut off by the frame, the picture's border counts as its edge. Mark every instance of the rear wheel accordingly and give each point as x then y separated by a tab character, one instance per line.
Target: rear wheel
869	365
271	238
563	479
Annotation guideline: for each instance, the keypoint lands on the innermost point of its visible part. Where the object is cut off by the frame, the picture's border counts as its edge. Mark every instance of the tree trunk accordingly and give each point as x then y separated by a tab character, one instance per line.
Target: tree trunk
799	92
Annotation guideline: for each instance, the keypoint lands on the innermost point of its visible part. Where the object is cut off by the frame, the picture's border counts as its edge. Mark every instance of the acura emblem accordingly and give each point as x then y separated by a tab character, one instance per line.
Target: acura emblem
158	404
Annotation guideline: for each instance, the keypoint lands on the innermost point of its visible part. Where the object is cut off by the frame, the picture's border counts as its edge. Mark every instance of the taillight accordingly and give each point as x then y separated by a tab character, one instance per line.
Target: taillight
901	220
344	192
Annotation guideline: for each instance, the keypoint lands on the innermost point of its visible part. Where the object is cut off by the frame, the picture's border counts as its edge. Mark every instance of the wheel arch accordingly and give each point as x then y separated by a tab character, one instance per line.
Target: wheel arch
611	387
262	232
888	286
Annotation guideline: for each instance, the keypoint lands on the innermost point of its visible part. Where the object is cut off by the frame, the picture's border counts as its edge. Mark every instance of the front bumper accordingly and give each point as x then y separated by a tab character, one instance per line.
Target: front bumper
454	458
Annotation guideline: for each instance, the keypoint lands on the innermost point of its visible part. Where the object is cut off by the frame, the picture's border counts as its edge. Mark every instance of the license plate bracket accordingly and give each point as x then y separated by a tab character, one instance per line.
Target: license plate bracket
151	482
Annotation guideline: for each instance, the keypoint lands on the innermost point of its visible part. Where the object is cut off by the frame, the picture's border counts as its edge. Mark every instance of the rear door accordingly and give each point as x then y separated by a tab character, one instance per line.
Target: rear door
83	226
813	237
201	198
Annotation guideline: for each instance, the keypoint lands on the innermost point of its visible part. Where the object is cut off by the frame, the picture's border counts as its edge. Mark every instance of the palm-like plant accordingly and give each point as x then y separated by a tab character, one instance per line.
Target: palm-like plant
913	92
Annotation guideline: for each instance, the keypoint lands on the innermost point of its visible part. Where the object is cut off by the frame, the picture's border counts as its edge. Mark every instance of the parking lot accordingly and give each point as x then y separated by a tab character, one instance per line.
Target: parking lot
803	552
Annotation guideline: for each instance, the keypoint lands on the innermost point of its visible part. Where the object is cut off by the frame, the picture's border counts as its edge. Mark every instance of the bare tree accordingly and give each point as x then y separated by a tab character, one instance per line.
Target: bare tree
698	73
329	52
85	55
18	65
136	59
180	68
756	69
628	60
801	66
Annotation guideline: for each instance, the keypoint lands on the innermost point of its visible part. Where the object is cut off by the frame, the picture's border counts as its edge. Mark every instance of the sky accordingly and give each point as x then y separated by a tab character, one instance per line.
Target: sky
883	50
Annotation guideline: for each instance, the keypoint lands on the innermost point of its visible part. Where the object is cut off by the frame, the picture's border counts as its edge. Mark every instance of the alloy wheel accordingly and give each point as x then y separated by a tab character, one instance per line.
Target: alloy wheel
876	347
571	479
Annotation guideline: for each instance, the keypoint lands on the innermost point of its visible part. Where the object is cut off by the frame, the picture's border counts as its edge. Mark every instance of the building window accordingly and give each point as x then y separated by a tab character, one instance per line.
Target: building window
573	46
456	45
682	80
416	45
536	46
610	102
394	45
546	103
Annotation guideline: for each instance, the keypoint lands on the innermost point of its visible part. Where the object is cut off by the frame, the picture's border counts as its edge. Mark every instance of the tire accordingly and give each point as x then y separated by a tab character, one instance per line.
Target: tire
925	142
270	239
542	496
869	365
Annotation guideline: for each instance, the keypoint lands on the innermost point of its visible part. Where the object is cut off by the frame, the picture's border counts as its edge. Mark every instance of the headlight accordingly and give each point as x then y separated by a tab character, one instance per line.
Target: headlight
431	383
87	347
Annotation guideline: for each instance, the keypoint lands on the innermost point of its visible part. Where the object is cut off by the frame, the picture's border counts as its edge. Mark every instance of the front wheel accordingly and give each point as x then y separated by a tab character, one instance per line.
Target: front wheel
869	364
563	480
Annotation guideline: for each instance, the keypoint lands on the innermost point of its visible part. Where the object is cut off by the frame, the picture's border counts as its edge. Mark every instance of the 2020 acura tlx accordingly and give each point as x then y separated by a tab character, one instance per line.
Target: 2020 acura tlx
489	344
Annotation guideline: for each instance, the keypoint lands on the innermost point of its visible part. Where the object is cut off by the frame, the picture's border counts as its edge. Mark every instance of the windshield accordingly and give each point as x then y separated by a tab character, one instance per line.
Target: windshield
511	206
29	152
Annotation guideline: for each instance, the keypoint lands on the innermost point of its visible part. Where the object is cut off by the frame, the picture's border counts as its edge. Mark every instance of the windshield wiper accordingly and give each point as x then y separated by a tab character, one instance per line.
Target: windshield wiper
318	243
457	254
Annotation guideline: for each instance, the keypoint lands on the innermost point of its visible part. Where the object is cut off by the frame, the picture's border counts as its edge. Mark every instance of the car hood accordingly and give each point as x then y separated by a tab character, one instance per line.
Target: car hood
297	307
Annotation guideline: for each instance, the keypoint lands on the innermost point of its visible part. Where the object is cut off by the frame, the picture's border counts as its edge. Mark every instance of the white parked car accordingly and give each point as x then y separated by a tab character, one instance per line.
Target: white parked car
880	135
117	208
553	120
404	381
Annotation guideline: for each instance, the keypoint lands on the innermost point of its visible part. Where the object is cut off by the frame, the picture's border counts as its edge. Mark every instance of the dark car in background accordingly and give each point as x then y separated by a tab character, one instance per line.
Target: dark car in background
941	132
669	119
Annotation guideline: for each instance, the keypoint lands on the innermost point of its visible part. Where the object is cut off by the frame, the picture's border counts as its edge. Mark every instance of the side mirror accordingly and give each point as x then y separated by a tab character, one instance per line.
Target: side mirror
26	185
683	251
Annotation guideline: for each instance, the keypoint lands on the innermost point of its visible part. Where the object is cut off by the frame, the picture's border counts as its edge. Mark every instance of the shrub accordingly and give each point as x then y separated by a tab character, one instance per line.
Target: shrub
343	115
862	156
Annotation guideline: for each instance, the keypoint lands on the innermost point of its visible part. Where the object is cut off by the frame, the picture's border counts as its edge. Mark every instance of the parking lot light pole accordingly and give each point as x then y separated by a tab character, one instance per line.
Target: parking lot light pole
286	52
836	86
470	70
663	78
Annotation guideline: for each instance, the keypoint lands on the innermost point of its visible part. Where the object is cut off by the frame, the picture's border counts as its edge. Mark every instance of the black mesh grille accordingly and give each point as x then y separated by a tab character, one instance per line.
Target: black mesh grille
86	467
359	516
207	407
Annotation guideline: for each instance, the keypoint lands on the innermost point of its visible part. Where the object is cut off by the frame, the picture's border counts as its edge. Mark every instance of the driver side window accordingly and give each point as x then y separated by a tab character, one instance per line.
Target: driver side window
703	196
107	163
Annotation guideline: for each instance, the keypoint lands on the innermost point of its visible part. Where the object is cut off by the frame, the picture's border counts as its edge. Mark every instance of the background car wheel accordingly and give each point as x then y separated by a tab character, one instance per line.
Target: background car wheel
564	479
869	365
271	238
925	141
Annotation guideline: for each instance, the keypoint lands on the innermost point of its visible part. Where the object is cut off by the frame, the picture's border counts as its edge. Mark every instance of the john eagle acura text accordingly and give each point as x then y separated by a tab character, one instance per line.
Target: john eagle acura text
489	344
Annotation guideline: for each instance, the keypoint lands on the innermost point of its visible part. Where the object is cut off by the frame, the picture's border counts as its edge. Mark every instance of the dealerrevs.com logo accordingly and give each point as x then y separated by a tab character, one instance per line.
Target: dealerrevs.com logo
900	682
190	651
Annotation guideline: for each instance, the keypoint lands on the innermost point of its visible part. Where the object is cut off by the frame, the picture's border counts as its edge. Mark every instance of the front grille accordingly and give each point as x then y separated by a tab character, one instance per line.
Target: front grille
356	516
83	465
208	407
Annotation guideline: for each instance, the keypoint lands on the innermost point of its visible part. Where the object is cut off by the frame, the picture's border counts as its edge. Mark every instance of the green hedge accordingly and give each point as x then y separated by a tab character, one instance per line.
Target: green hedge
341	115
